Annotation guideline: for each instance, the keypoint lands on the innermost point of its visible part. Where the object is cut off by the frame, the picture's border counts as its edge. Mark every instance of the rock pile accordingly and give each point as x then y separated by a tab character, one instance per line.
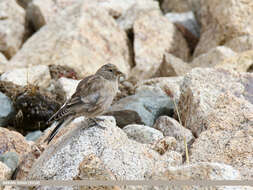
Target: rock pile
184	110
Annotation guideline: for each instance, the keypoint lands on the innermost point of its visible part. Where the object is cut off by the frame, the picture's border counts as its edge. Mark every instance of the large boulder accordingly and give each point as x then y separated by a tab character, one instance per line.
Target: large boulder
81	37
154	35
222	21
120	156
12	27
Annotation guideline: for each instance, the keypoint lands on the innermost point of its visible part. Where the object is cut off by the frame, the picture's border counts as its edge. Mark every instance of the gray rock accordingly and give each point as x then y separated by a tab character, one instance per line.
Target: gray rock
142	133
6	109
142	108
187	19
33	136
10	159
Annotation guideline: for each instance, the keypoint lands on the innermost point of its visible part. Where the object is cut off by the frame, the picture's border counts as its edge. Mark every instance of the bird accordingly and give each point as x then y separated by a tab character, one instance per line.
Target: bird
93	96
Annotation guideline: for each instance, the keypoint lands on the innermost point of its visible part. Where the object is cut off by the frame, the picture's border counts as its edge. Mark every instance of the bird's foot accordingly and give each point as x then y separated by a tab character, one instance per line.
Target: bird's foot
95	122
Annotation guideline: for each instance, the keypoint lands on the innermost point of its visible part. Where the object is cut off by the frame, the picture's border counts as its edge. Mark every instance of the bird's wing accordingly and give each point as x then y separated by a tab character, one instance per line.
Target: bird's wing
88	94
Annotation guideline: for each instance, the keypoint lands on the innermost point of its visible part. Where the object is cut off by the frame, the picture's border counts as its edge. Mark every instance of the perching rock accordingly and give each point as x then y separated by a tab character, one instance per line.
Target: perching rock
117	153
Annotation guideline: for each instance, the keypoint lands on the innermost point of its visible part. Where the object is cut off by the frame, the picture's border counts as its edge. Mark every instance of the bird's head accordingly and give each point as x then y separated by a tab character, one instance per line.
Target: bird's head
110	72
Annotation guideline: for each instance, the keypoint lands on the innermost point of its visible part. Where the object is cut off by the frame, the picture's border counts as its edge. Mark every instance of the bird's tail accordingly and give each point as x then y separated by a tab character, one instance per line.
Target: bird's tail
54	132
57	128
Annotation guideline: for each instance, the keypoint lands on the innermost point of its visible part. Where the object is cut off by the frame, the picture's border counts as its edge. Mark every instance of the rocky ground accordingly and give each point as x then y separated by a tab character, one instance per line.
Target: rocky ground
185	110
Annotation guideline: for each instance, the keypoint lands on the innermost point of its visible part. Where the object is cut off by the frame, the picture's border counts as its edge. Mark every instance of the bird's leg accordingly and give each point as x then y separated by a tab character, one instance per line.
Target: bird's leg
95	122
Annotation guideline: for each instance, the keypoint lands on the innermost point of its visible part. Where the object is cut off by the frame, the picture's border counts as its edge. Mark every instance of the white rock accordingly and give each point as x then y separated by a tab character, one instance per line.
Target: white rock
241	43
36	75
172	66
213	57
154	35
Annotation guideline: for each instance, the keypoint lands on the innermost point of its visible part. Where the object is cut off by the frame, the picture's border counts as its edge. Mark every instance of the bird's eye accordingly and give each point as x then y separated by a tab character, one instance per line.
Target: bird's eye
110	70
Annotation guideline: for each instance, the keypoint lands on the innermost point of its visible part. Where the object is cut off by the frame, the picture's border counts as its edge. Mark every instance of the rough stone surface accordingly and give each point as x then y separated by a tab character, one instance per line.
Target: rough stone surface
12	27
86	39
126	20
141	108
229	135
200	90
169	85
170	127
165	144
5	171
142	133
172	66
153	36
197	171
241	43
36	75
68	86
6	109
223	21
213	57
41	12
11	141
120	155
241	62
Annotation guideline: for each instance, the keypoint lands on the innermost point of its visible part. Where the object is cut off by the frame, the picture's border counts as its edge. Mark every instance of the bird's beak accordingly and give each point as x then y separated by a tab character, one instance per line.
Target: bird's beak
121	75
